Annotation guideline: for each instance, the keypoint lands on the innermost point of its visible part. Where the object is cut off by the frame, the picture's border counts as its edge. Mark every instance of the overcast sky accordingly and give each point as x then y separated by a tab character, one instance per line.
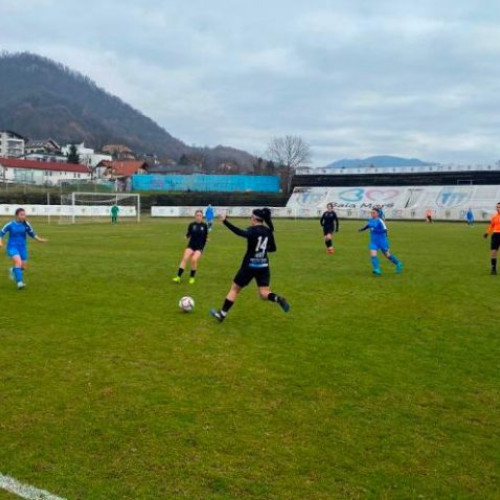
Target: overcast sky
352	77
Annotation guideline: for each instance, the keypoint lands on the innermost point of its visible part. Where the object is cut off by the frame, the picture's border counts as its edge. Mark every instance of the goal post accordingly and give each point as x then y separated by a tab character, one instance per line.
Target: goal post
96	207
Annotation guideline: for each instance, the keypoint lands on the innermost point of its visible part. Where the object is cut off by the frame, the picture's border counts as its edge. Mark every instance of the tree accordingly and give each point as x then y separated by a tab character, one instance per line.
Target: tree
184	160
270	168
73	156
289	152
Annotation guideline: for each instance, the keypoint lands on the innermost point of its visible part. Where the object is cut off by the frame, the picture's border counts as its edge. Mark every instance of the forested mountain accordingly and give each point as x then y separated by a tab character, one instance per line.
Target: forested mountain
40	98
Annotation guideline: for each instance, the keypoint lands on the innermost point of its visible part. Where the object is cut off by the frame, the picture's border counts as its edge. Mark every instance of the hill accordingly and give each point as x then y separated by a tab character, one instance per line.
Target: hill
379	161
41	98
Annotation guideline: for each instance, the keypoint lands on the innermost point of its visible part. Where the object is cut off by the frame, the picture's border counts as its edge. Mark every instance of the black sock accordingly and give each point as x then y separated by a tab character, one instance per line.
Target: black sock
227	305
192	273
494	264
273	297
329	244
180	271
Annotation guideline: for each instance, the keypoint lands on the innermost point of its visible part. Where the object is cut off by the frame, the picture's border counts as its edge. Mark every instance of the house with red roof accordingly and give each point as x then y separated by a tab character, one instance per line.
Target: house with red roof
121	172
42	173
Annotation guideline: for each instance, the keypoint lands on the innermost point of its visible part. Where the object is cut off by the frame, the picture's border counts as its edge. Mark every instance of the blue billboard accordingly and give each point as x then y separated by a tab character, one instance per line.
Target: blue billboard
199	182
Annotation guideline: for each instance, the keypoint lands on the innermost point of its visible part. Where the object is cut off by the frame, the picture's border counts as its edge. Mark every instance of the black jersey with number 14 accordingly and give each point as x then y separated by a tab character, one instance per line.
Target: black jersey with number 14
260	242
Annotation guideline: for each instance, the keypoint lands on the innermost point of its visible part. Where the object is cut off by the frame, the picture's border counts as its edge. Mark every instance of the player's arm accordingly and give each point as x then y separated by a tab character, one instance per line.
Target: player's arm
271	244
32	234
189	230
322	220
205	234
4	231
489	230
236	230
364	228
336	224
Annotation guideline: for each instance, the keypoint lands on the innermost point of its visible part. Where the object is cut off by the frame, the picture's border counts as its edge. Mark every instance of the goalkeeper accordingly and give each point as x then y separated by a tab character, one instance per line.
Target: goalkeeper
115	210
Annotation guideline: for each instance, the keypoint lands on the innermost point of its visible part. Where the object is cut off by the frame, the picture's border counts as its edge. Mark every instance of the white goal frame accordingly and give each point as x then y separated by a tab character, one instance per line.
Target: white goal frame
110	198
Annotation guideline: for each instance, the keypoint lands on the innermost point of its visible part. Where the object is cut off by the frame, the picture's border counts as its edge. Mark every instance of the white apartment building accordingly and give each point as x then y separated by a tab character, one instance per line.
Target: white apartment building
11	144
41	173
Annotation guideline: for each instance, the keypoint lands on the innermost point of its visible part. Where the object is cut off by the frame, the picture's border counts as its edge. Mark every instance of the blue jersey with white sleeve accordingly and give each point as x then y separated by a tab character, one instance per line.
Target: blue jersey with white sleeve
378	234
377	228
18	231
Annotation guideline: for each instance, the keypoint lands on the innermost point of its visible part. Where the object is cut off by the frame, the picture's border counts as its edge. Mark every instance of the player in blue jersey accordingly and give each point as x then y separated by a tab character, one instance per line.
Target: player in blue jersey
209	216
380	241
17	250
469	216
381	212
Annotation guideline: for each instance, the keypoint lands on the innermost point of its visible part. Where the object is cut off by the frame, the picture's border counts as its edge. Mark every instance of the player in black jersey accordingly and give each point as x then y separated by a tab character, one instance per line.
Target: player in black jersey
255	265
330	223
197	233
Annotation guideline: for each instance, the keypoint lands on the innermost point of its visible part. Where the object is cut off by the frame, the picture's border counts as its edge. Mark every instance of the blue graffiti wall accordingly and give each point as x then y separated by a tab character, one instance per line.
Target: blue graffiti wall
224	183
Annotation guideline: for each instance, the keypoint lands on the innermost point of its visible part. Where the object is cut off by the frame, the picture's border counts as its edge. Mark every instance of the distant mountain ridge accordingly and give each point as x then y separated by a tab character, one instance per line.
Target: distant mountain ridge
40	98
380	161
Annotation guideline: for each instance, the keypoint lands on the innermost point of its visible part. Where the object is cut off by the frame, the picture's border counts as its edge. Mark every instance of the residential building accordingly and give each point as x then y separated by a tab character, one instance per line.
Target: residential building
121	172
119	151
11	144
88	156
41	146
59	158
17	171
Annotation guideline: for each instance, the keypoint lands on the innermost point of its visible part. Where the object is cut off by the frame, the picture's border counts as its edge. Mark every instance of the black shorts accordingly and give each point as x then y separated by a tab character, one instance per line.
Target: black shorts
245	275
327	230
196	248
495	241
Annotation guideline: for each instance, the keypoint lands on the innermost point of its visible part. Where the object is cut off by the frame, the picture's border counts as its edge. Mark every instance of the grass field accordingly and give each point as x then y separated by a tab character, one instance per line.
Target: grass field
369	388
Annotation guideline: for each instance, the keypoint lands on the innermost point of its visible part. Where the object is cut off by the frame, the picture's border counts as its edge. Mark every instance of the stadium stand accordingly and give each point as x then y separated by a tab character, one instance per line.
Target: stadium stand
480	177
403	195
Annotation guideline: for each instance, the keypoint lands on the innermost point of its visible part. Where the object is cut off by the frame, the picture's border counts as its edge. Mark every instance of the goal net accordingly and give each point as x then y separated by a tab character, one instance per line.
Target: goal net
97	207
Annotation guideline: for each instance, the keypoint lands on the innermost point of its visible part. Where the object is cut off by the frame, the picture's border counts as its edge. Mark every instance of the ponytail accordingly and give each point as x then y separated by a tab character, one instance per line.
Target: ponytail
267	218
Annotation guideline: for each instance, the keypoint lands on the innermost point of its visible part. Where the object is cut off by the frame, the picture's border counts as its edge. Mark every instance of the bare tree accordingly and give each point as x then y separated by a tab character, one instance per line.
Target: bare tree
289	153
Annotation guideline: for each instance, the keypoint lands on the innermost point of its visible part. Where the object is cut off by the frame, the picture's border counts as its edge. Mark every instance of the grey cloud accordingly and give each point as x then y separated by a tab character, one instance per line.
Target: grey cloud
352	77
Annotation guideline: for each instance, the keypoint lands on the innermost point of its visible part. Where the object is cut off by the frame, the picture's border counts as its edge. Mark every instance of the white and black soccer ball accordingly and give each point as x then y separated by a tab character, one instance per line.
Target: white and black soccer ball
186	304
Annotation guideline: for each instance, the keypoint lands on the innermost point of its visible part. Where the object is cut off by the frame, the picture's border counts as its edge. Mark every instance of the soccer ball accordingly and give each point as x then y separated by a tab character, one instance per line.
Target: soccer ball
186	304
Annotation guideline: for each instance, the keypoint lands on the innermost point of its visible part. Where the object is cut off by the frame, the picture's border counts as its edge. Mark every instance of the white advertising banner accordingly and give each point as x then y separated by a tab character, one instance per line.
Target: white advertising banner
67	210
398	202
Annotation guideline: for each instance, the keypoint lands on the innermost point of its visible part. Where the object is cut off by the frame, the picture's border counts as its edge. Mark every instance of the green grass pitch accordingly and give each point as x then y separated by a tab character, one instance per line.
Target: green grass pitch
369	388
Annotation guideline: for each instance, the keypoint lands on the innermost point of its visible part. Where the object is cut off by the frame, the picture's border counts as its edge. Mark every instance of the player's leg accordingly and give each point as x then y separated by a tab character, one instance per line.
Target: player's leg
195	257
263	278
495	245
243	277
374	259
394	260
185	257
329	243
266	294
228	302
17	268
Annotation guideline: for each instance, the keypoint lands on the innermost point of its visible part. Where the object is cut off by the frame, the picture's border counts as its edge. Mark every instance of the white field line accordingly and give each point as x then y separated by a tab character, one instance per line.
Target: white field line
25	490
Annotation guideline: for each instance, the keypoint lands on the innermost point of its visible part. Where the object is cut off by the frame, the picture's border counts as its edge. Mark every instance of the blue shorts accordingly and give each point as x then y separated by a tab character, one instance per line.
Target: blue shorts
21	251
381	244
